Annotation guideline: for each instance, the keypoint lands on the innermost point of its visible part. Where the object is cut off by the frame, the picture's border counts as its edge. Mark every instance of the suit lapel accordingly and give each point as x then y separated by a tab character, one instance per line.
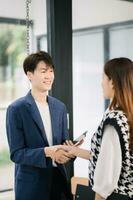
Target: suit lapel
35	114
53	115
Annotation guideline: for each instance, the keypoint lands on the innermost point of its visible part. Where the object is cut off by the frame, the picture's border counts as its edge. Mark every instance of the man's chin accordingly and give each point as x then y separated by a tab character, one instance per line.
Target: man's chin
46	89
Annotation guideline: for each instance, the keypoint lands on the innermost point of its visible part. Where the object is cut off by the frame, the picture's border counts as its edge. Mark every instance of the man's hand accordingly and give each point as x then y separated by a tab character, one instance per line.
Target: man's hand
72	150
50	151
58	154
62	156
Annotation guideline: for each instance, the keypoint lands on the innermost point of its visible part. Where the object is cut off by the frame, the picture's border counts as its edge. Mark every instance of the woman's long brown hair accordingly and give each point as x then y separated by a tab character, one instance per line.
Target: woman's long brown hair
120	71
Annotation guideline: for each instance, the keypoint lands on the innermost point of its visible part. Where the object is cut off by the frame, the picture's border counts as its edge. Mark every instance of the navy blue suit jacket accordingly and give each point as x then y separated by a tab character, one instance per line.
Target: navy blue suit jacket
27	139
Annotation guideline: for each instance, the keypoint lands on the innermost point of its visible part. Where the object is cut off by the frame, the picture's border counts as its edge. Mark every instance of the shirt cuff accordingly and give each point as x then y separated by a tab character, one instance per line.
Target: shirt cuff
101	193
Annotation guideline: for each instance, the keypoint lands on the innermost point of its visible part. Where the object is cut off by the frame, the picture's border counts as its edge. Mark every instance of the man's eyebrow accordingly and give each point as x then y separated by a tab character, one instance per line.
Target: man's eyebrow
44	68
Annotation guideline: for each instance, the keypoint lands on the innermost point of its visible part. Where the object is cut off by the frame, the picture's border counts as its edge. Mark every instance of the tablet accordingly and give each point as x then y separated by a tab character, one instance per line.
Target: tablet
80	138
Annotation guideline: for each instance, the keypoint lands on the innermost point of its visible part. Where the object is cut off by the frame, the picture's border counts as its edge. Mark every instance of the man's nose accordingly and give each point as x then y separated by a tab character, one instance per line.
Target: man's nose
48	75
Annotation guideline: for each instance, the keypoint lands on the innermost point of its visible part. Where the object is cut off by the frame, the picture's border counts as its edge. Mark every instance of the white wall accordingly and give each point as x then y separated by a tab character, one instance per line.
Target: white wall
39	16
87	13
12	8
17	9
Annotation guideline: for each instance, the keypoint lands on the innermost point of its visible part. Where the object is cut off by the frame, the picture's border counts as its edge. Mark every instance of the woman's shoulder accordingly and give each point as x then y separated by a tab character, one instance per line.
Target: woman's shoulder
115	114
116	118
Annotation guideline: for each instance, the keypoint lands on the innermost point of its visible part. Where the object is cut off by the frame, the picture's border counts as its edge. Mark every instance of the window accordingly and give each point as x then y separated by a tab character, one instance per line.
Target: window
88	102
121	41
13	84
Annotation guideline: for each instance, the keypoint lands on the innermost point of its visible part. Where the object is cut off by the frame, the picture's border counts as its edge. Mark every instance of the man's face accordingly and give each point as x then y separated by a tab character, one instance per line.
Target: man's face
42	78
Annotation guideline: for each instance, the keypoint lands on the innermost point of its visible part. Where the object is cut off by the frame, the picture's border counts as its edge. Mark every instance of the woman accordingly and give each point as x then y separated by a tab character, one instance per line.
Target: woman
111	156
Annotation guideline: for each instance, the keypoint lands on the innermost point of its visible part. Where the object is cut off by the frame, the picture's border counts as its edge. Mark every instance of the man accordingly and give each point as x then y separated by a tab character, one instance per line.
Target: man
36	123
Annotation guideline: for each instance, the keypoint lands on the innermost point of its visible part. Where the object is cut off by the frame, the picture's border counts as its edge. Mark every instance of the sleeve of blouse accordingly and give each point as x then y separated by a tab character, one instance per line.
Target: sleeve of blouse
109	163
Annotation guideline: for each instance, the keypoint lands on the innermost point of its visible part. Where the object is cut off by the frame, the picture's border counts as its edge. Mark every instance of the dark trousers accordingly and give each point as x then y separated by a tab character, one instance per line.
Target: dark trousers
60	189
115	196
86	193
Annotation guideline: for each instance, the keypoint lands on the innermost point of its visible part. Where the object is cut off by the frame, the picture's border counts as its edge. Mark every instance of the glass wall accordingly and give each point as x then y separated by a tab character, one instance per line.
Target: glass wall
13	84
88	102
89	56
88	60
42	42
121	41
12	53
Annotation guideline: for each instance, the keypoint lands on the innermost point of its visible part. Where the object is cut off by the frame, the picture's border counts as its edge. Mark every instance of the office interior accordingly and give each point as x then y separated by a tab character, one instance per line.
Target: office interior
80	35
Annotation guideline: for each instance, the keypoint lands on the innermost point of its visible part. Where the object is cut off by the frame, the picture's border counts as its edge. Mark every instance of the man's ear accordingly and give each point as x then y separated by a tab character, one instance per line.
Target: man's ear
29	75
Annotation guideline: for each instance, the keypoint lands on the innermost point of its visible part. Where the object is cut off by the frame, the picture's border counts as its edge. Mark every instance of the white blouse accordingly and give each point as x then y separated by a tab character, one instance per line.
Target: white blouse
109	163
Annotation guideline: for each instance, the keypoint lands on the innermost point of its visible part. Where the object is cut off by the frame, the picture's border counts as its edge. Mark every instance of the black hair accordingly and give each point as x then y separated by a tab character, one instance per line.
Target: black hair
30	63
